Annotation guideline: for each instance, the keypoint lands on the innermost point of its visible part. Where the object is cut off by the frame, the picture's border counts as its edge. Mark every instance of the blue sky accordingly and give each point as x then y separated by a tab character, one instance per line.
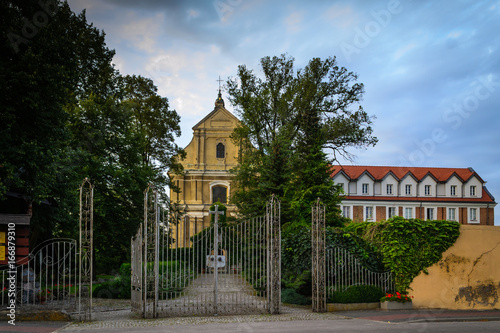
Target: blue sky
431	69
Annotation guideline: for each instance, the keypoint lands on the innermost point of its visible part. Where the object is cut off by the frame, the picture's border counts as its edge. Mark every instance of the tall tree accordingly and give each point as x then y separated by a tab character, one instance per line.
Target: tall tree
66	114
50	57
291	120
118	146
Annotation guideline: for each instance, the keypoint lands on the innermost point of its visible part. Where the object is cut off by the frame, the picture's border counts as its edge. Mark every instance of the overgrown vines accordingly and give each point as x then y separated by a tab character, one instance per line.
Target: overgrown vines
408	247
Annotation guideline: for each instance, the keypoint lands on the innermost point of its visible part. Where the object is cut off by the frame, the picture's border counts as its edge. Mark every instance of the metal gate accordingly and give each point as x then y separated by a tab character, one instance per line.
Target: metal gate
57	274
228	268
336	268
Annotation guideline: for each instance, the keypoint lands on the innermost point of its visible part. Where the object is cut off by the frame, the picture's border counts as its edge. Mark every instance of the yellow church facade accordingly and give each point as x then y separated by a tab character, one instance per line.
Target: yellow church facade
206	178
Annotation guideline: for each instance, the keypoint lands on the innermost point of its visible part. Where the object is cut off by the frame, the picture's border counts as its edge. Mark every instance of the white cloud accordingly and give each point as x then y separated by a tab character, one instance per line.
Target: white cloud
293	22
341	16
403	50
141	32
192	13
455	34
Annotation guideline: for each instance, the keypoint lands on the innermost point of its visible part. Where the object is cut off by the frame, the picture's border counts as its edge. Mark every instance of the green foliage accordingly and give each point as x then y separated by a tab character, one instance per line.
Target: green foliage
174	277
296	253
222	218
288	119
409	246
118	287
68	114
290	296
356	294
296	248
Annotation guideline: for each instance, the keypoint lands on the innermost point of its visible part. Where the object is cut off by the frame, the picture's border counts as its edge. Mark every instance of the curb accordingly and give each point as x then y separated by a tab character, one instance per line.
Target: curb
45	315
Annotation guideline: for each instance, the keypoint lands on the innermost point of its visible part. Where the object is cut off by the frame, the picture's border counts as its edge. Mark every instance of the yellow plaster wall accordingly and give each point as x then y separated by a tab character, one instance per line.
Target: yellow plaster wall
202	169
468	275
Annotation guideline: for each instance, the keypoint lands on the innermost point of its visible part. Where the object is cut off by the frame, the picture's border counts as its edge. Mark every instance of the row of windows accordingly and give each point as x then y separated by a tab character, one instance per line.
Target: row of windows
408	189
408	213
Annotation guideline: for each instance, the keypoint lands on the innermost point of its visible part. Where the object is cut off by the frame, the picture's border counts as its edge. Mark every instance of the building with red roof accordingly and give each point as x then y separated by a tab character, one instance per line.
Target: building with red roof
375	193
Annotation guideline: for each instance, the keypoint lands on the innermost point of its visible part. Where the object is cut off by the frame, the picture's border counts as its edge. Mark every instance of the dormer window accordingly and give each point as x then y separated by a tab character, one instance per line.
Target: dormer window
364	189
453	190
389	189
221	150
408	189
427	190
472	191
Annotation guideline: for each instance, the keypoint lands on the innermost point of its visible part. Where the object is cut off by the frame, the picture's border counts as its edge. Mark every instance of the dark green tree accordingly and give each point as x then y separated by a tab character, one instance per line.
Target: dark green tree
294	125
66	114
117	141
50	57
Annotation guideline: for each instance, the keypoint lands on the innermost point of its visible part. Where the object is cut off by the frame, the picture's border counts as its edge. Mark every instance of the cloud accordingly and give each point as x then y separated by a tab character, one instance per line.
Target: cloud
293	22
341	16
141	32
403	50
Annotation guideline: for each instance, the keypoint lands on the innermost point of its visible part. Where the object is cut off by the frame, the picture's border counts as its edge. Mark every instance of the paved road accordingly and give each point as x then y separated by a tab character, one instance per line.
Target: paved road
319	326
294	319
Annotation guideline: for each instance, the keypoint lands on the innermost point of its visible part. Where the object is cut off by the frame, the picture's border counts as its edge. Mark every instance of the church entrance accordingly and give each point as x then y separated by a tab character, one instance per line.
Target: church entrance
231	268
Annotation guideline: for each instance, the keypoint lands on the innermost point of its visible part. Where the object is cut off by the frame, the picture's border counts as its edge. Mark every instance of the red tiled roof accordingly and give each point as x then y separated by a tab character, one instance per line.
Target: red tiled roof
353	172
379	172
484	199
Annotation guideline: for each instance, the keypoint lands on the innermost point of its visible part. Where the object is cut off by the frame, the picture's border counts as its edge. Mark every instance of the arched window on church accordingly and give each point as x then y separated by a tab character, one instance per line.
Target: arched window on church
221	151
219	193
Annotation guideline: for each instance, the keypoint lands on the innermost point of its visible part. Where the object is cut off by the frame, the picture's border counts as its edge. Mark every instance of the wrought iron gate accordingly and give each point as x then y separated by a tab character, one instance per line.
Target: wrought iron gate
336	268
57	274
224	269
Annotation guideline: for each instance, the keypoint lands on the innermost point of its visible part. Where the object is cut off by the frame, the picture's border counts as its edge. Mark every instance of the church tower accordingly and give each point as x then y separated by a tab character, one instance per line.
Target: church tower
206	178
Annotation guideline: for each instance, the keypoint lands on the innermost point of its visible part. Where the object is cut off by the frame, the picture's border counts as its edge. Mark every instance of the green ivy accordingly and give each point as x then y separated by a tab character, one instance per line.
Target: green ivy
409	246
296	253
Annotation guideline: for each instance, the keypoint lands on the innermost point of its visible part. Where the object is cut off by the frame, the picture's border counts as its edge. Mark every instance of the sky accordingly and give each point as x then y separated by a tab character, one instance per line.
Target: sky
431	69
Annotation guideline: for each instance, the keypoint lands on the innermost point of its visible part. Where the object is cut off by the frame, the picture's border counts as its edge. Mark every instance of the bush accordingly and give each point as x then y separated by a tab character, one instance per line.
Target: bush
357	294
290	296
119	287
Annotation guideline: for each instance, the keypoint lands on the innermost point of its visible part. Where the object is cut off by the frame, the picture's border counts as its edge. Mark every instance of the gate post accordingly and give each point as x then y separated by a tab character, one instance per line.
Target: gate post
273	216
151	253
86	250
318	257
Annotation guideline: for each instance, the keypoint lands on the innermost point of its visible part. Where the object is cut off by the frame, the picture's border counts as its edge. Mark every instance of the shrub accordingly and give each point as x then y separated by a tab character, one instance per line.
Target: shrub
357	294
290	296
119	287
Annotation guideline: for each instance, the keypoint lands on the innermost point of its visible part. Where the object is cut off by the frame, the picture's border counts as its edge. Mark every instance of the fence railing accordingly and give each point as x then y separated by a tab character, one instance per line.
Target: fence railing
50	277
344	270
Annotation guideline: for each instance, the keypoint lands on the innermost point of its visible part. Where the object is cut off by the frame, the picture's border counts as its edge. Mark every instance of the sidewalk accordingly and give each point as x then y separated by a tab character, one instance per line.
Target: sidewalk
423	315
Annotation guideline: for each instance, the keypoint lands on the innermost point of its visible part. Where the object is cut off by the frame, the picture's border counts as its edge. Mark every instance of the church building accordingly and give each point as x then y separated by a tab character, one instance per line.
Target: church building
206	179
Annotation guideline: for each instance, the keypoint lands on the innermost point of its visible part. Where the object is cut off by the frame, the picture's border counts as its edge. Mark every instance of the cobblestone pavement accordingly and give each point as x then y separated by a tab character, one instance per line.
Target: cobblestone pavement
127	319
235	295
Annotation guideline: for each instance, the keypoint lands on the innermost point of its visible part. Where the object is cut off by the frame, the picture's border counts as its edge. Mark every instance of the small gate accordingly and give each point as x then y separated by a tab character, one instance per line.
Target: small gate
47	279
223	269
344	270
336	268
57	274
